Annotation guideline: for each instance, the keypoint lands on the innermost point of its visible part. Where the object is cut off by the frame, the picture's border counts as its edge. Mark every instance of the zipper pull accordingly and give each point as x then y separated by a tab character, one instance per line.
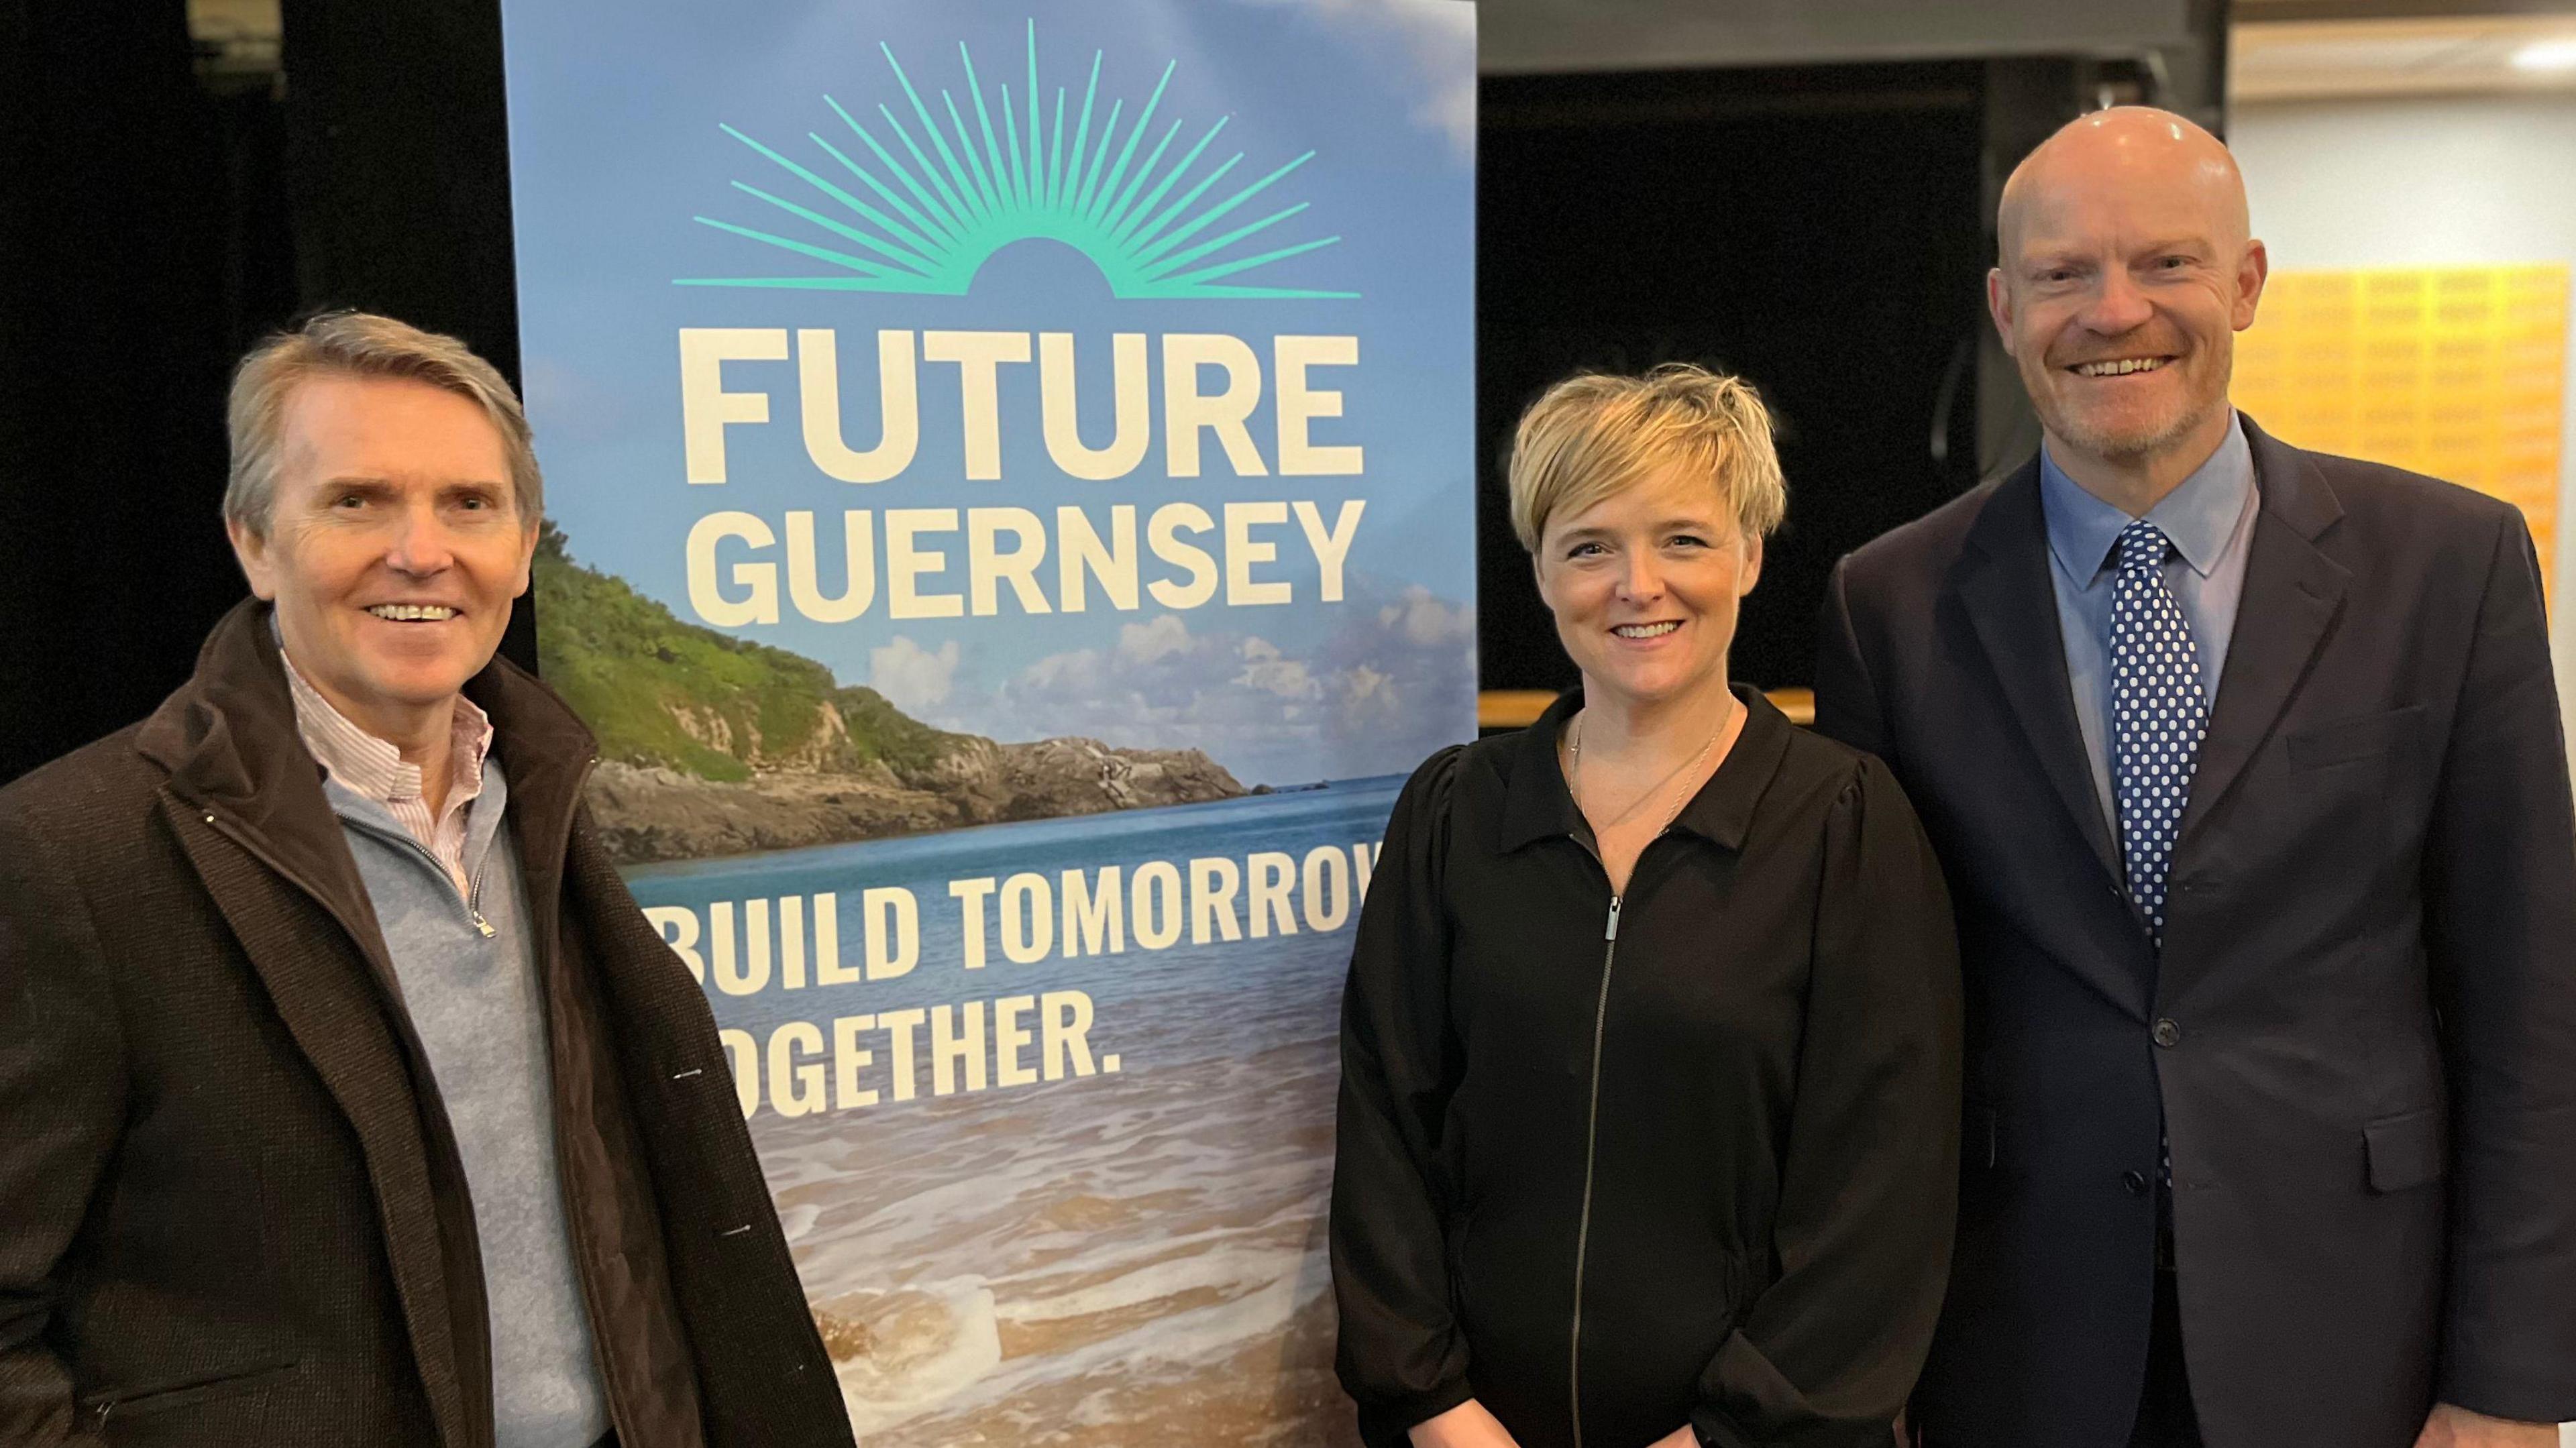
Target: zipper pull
474	906
1611	931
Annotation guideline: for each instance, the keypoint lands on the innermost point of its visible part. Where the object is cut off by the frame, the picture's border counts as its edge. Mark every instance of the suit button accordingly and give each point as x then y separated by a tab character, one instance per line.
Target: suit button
2167	1033
2135	1181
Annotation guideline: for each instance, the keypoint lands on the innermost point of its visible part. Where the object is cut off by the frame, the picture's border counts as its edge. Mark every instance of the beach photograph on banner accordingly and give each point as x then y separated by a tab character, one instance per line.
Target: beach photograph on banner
1009	483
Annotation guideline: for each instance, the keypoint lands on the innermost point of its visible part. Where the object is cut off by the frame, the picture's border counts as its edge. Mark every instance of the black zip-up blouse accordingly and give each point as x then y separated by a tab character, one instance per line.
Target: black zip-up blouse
1612	1163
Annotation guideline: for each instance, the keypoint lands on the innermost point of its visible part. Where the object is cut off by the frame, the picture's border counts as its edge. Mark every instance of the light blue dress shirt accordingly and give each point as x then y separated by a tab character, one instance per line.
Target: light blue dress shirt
2210	521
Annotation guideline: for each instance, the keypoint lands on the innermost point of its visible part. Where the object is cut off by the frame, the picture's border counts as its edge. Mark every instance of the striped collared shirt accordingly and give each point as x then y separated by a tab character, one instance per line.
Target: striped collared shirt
376	769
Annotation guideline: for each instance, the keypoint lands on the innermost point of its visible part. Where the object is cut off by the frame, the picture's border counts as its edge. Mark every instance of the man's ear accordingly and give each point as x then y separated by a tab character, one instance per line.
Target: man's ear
1999	305
527	558
250	549
2252	270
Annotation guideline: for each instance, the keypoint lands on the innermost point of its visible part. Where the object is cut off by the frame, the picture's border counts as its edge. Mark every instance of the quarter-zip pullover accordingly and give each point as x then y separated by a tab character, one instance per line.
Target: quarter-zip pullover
468	975
1611	1164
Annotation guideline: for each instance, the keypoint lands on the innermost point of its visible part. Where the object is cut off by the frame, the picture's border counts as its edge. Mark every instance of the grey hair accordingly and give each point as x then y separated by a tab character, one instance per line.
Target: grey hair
360	344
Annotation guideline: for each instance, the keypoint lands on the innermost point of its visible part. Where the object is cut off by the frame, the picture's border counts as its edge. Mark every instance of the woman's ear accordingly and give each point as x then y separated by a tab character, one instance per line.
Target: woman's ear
1752	573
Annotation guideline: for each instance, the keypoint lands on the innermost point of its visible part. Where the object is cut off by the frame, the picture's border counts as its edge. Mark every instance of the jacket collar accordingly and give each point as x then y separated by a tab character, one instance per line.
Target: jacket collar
2295	491
1537	805
229	742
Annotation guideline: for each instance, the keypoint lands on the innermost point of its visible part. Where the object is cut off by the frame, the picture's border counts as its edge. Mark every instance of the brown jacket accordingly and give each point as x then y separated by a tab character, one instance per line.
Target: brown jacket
231	1208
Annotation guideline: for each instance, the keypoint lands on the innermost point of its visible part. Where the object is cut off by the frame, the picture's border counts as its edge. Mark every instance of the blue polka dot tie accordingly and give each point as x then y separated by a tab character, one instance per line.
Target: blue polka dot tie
2158	716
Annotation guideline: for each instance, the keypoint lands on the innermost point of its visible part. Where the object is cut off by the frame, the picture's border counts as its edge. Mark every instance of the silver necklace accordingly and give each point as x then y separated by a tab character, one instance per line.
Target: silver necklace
1685	772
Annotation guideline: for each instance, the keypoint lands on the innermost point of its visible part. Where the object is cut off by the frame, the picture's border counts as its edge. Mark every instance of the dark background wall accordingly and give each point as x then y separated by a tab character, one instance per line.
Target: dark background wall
117	263
162	205
168	195
1815	229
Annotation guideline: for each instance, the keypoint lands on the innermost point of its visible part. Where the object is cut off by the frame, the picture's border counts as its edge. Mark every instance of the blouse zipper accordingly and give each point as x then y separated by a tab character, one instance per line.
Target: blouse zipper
1591	1141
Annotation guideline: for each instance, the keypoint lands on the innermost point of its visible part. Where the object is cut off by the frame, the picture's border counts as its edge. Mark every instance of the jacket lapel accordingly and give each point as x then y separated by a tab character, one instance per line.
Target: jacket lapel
2293	593
2003	584
246	803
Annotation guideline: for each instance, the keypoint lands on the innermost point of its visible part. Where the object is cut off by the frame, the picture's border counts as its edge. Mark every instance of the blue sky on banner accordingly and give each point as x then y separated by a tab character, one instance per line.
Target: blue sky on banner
619	116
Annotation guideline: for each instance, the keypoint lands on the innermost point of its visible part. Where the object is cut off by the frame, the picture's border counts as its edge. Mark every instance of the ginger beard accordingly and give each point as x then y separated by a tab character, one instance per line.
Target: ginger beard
2156	392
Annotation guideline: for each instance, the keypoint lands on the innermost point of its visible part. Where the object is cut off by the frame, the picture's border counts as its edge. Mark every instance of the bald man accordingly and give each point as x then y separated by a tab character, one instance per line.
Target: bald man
2245	763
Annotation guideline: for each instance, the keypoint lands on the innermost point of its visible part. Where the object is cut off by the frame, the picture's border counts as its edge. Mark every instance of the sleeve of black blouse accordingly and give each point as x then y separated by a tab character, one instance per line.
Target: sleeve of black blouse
1401	1356
1826	1356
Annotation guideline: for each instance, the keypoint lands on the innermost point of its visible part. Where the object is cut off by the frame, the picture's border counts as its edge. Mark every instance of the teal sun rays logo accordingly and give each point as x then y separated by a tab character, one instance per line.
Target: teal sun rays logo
932	226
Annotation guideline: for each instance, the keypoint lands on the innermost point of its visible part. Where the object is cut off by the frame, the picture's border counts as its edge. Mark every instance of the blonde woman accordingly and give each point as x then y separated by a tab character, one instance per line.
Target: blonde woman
1650	1058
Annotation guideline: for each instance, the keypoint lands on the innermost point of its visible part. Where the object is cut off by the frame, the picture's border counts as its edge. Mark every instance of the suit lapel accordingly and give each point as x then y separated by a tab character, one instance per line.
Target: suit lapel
2292	595
2005	590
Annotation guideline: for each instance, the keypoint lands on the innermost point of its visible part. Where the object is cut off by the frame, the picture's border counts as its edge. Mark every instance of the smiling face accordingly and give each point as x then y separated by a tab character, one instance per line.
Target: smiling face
392	549
1645	586
2125	273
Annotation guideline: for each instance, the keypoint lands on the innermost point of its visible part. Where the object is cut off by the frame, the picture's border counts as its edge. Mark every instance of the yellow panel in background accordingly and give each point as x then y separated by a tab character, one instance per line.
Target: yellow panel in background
2459	372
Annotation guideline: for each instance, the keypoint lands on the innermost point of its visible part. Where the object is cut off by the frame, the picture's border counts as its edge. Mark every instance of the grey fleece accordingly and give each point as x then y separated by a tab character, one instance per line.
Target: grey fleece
481	1015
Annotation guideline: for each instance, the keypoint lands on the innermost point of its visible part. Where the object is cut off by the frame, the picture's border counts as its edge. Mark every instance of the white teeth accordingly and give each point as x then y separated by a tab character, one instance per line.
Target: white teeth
413	612
1644	630
2121	368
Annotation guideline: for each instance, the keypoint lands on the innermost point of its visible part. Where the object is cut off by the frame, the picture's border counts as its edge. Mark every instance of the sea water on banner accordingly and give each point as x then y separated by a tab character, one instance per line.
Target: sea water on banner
1131	1256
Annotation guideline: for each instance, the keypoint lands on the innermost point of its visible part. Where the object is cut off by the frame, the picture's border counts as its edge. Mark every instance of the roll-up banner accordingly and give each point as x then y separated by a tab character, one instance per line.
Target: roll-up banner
1009	481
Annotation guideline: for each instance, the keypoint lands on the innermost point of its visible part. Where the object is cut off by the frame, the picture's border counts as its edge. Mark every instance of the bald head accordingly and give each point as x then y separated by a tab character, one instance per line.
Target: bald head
2131	149
2124	270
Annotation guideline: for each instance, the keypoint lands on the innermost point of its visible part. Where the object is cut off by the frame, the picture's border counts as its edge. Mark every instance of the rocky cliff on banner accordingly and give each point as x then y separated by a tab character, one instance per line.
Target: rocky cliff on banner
713	745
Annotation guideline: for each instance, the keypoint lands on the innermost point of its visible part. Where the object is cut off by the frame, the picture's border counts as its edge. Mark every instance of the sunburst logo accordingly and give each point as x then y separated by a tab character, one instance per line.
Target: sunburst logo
933	224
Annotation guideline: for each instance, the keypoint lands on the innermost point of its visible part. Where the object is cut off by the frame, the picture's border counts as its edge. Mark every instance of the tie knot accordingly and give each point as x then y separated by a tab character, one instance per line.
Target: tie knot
2142	545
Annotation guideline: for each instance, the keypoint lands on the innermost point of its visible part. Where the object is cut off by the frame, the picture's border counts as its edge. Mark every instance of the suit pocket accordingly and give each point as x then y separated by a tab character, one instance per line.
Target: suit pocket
2346	740
2407	1151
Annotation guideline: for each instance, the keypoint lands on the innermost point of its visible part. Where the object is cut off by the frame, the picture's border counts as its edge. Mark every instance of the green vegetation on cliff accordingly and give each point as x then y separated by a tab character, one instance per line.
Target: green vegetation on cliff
658	691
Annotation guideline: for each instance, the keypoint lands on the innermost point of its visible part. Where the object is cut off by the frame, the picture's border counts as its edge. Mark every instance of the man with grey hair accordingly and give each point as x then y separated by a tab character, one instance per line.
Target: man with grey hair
350	1098
2246	766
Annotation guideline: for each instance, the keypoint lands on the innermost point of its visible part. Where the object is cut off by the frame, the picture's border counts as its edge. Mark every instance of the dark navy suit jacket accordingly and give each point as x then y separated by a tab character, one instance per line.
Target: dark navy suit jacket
2361	1036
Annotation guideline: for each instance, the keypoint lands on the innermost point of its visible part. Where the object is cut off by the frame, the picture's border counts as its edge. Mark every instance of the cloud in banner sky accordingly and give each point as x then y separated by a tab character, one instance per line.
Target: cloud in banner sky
1372	698
1143	643
1440	40
911	677
1423	648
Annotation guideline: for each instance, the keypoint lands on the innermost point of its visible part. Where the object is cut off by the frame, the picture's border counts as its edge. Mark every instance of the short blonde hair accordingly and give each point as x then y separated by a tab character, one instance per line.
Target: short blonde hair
360	344
1596	433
